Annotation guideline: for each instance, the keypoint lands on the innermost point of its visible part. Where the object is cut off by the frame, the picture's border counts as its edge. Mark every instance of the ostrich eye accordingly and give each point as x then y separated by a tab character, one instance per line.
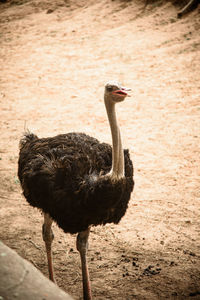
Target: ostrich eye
109	88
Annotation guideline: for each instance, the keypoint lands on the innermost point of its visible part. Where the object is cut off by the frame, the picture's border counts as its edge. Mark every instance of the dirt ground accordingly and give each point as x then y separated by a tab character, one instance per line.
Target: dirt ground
55	57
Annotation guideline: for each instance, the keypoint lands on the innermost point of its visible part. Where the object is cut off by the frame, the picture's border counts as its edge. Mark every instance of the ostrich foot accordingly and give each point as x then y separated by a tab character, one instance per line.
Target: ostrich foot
82	246
48	237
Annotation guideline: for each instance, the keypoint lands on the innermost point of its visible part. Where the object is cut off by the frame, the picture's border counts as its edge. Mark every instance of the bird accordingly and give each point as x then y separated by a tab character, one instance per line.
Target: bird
78	181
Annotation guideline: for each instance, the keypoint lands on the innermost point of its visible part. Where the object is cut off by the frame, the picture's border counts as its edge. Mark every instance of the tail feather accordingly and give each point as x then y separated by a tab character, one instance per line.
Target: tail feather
27	138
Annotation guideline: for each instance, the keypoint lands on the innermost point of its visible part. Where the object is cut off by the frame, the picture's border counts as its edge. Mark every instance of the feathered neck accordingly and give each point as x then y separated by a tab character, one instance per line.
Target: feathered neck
117	170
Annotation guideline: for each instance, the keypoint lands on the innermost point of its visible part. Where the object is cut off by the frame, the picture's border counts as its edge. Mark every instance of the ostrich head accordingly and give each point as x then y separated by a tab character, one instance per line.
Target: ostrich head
114	92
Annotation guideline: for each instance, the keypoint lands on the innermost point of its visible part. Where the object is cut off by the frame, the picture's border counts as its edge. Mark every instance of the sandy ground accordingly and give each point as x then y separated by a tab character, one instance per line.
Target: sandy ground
55	57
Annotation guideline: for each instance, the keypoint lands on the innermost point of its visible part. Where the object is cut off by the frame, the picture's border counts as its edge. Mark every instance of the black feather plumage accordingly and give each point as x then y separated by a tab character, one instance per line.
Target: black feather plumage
62	175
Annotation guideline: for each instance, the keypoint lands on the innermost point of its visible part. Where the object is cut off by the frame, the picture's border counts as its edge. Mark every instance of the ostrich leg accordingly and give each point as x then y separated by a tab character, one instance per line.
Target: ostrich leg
48	237
82	246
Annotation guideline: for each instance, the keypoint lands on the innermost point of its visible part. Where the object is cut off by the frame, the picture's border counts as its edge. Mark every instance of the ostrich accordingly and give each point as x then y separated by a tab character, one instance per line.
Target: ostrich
77	181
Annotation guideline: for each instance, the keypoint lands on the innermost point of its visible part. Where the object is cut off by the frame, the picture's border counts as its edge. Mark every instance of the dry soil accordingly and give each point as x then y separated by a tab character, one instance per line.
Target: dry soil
55	57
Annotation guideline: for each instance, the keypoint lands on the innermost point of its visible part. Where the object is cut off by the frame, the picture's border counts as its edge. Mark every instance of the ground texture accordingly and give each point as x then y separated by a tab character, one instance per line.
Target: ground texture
55	57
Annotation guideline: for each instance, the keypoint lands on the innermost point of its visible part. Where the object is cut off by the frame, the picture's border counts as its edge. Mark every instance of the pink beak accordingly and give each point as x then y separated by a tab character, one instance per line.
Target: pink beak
122	92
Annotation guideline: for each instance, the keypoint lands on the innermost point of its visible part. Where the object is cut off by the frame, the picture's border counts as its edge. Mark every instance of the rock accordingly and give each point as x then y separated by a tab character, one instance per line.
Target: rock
21	280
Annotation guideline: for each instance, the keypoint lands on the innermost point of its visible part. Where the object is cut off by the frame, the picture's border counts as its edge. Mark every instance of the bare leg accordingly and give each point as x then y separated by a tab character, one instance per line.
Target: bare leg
48	237
82	246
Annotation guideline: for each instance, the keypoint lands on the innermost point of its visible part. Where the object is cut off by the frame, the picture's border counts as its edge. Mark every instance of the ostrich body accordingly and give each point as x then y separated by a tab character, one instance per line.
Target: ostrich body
77	181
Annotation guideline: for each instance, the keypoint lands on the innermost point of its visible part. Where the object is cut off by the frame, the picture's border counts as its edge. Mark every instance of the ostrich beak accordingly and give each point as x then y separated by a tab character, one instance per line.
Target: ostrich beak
122	92
125	89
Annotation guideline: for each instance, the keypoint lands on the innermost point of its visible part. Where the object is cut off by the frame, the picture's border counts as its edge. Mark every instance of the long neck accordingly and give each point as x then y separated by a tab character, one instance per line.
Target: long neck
117	170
